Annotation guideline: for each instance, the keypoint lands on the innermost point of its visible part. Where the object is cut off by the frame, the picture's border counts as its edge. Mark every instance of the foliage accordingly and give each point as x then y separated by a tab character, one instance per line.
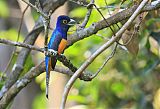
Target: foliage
125	82
4	10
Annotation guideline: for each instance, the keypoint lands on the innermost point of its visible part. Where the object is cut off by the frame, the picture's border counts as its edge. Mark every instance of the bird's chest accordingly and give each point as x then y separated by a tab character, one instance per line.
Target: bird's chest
62	45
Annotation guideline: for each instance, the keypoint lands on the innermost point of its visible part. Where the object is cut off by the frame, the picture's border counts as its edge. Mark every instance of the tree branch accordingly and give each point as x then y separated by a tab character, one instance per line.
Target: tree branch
105	62
61	58
94	28
14	49
86	19
18	66
13	43
37	9
22	82
30	39
98	52
11	93
118	17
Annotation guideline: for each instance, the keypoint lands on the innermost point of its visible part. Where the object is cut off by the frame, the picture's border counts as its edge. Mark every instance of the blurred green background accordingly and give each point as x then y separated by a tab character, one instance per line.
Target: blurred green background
126	82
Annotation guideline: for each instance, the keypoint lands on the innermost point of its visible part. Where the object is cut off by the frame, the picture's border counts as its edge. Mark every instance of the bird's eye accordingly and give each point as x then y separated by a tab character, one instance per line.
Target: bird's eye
64	21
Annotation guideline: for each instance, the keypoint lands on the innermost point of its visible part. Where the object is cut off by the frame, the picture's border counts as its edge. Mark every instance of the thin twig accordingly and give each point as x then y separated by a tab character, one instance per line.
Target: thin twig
66	62
38	5
19	84
61	58
30	75
98	52
30	39
103	17
105	62
125	14
14	49
78	3
107	7
136	27
8	42
90	6
46	23
118	17
103	7
136	30
110	15
86	19
38	10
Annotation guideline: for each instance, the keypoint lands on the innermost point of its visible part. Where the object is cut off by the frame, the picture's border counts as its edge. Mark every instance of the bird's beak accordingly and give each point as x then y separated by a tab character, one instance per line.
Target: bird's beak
71	22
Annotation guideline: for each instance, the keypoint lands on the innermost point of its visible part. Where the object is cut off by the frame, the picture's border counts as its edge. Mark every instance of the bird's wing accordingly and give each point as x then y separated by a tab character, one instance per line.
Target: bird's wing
51	61
55	45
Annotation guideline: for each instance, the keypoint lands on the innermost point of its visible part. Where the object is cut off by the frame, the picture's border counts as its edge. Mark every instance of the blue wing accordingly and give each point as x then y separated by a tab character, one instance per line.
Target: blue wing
51	61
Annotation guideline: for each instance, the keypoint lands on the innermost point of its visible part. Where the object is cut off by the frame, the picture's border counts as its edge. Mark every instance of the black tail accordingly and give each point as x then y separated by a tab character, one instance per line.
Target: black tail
53	62
47	83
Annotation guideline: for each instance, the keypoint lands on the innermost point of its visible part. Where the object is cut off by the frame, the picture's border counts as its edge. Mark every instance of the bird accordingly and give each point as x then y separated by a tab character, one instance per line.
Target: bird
58	42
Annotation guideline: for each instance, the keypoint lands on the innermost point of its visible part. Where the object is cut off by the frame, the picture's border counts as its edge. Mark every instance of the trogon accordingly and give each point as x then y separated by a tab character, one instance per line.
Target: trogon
58	42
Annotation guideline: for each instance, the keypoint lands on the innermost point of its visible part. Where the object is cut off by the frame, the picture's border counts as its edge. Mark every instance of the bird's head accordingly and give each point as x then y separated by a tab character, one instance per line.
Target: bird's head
64	22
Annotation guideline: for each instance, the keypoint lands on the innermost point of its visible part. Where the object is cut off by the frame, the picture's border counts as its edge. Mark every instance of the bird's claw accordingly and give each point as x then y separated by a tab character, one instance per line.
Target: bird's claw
62	55
51	52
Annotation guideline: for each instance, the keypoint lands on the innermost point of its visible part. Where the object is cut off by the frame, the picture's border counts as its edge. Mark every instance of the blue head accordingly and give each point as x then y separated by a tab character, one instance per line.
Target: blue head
63	23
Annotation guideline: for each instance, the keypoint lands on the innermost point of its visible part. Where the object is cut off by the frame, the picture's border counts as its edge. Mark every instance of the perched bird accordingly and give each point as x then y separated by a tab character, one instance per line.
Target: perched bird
58	42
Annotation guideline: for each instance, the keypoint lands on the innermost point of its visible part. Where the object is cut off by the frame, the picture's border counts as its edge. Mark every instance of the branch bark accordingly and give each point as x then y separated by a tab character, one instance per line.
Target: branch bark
30	39
94	28
98	52
8	42
118	17
86	19
27	78
18	67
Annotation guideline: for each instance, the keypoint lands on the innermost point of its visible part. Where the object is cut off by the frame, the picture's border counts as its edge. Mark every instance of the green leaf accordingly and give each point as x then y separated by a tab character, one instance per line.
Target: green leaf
3	77
10	34
4	10
40	102
28	65
117	87
77	98
152	21
78	12
35	14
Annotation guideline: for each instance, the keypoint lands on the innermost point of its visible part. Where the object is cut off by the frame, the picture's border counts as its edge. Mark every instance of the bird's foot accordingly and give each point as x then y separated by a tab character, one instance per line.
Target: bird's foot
62	54
51	52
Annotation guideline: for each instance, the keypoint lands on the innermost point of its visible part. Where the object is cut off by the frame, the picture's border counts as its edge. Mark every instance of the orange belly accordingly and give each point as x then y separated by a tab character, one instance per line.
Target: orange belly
62	46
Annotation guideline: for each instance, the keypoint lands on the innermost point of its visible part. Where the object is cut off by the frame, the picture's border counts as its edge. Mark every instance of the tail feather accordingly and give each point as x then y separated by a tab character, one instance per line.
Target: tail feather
50	62
47	83
48	67
53	62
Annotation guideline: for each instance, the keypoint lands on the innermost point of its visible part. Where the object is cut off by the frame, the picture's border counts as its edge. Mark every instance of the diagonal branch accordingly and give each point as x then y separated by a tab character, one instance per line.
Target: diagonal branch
30	39
38	10
11	93
86	19
61	58
27	78
105	62
98	52
118	17
66	62
14	49
94	28
8	42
